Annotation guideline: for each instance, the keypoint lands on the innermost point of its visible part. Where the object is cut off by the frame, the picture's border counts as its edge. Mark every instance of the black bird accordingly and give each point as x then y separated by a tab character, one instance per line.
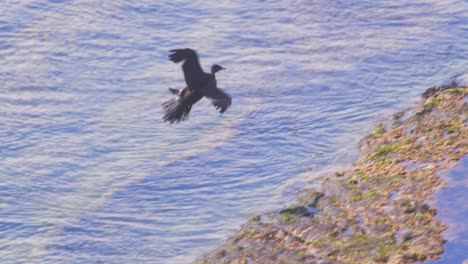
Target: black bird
214	69
178	108
199	84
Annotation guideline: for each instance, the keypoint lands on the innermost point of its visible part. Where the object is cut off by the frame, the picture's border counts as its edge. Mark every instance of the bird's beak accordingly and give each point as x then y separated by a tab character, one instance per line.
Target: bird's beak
222	68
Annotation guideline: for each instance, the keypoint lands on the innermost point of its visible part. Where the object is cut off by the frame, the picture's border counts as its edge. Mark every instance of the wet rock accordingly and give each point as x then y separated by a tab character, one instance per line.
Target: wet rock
380	228
374	212
404	234
410	208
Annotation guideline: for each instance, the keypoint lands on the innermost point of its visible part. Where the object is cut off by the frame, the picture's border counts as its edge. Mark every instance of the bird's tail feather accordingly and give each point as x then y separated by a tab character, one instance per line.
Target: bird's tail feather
174	91
175	110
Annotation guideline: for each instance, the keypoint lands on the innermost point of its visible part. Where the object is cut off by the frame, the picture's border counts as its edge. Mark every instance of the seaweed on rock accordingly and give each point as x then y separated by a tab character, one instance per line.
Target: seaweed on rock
377	210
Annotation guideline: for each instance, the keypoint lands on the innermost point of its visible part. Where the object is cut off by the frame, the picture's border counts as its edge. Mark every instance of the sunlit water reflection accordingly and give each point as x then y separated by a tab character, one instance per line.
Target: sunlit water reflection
90	174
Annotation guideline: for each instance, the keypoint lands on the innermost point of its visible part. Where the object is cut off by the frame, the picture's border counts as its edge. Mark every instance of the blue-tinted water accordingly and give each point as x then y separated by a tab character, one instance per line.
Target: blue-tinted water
90	174
453	211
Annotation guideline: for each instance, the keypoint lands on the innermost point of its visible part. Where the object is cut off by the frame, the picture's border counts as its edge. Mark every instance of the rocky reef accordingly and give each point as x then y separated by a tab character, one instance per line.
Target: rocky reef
377	211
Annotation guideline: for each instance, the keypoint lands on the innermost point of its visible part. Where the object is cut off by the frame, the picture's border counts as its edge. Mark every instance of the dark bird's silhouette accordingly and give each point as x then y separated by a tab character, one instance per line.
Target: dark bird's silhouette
199	84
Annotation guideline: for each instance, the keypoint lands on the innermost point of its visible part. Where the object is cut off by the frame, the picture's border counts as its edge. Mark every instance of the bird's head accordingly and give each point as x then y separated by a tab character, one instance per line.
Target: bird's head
216	68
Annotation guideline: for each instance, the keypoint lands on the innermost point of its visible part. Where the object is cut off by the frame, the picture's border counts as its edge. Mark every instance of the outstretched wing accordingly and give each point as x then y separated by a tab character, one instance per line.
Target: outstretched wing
219	98
191	66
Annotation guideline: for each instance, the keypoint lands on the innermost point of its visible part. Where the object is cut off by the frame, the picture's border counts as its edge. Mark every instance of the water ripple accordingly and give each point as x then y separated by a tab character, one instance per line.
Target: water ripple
88	171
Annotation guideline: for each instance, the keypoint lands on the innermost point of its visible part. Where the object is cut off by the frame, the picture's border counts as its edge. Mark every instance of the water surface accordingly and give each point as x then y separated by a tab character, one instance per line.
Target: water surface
453	211
90	174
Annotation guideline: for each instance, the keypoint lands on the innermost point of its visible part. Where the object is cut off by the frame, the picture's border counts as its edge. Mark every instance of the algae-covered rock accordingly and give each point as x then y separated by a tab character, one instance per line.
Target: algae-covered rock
374	212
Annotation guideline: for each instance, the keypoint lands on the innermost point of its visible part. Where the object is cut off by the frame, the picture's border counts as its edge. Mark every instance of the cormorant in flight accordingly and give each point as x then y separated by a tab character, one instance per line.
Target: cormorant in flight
199	84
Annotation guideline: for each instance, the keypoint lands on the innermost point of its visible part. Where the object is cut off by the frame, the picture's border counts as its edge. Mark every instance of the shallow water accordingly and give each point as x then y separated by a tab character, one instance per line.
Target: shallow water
90	174
452	209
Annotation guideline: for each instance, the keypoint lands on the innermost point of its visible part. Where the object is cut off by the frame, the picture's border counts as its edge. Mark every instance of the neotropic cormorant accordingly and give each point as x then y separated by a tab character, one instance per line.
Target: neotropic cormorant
199	84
